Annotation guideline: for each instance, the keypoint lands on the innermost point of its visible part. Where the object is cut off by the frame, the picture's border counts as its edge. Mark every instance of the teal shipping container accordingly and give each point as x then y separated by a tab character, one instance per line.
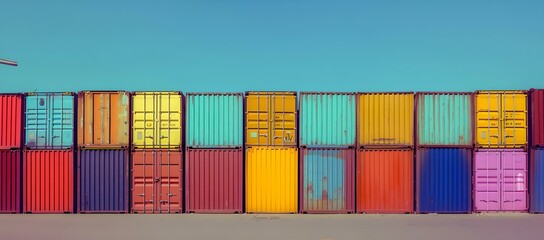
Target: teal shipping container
444	119
49	120
214	120
327	119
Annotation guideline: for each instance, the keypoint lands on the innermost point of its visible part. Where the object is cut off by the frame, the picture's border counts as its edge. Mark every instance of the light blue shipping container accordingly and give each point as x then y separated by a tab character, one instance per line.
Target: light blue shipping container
214	120
327	119
49	120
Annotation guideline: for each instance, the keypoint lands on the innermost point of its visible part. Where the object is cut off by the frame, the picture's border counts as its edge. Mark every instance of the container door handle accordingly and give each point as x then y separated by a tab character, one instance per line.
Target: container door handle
264	135
157	179
56	136
149	137
149	201
141	195
508	136
171	195
164	201
488	201
163	137
494	136
515	200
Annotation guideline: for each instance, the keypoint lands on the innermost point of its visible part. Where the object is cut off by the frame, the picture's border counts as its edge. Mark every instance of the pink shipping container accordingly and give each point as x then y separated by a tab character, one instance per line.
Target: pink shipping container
10	181
214	180
11	119
500	180
536	120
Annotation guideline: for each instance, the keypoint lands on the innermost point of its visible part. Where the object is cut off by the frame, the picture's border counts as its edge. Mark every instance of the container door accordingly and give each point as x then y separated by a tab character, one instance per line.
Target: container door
283	118
168	182
514	181
257	119
143	197
488	118
36	121
61	118
168	115
487	181
514	116
144	120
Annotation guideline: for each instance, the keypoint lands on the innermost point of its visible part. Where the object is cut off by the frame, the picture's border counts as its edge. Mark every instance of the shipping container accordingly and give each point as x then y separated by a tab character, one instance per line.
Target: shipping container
443	180
214	120
48	181
102	178
11	119
271	180
157	120
10	181
500	180
327	119
444	119
536	119
385	119
156	181
385	181
271	119
501	119
327	180
213	179
537	180
49	120
103	119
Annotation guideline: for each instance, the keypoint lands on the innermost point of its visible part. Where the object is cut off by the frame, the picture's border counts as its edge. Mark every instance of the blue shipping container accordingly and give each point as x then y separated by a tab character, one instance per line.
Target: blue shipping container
102	181
537	181
444	180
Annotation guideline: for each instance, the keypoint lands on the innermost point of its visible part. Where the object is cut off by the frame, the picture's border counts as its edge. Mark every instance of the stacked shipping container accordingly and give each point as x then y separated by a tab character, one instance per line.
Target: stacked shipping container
536	144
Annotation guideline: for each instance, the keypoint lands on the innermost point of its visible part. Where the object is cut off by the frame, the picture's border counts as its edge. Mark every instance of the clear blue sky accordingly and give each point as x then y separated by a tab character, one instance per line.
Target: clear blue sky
272	45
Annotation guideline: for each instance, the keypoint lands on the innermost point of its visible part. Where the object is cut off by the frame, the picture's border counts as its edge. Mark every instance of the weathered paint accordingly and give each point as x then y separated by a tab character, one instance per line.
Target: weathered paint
48	181
271	119
536	119
102	177
49	120
10	181
327	180
157	120
444	119
103	119
386	119
385	181
11	109
327	119
500	180
501	119
214	120
214	180
443	178
156	181
537	181
271	180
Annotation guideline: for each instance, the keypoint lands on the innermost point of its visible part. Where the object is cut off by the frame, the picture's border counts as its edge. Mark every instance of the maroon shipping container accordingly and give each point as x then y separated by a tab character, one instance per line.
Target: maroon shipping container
214	180
156	181
11	120
536	129
10	181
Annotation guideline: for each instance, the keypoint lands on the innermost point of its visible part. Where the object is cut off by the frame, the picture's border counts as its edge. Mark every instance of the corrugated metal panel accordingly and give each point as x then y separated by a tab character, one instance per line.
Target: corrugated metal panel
500	180
385	180
214	180
103	119
443	180
501	119
102	181
271	119
156	181
156	120
327	180
537	118
10	181
11	108
49	120
444	119
537	181
327	119
214	120
271	180
386	119
48	181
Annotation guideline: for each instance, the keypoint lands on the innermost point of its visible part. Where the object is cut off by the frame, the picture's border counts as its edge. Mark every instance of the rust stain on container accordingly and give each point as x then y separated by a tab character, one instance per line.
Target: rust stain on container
11	118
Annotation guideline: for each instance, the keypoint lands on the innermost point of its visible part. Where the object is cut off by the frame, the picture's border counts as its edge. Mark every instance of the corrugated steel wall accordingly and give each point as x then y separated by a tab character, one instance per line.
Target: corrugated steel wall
537	117
443	177
11	108
386	119
214	180
444	119
327	180
10	181
537	181
327	119
102	181
214	120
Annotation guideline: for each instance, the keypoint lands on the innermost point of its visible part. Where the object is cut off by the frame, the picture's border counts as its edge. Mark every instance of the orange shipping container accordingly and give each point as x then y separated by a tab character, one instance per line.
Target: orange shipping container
385	181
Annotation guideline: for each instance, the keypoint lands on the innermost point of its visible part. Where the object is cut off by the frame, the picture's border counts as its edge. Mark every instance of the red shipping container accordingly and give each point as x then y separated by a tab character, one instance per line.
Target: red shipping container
11	120
48	181
536	119
214	180
156	181
10	181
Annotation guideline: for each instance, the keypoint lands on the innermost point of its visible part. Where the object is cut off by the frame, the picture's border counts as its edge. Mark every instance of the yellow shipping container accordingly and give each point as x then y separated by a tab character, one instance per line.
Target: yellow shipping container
501	119
271	180
271	119
156	120
386	119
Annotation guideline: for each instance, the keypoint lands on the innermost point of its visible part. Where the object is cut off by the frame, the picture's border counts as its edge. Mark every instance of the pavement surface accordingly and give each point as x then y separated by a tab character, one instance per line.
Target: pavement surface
259	226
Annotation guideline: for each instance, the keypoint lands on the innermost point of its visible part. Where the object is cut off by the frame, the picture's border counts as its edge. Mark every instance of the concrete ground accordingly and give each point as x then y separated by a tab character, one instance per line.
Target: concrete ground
266	226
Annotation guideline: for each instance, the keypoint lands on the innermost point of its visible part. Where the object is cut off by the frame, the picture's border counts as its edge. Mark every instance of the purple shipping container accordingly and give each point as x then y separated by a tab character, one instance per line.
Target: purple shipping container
102	181
500	180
